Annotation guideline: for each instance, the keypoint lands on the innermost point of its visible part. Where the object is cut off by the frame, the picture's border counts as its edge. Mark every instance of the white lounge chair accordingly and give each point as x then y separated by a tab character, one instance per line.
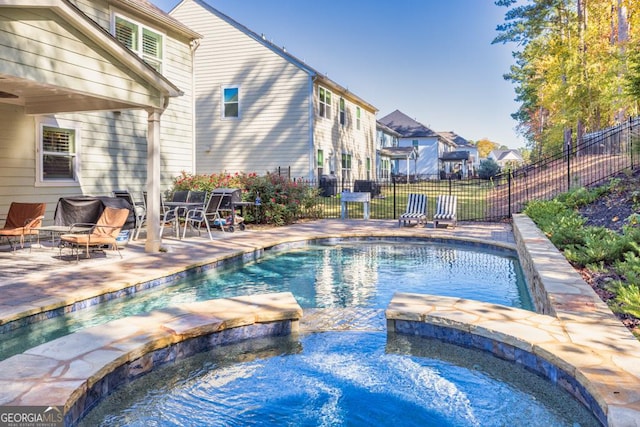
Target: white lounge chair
446	208
416	210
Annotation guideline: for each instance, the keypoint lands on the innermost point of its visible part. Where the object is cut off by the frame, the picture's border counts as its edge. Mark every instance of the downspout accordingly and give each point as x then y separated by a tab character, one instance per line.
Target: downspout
194	44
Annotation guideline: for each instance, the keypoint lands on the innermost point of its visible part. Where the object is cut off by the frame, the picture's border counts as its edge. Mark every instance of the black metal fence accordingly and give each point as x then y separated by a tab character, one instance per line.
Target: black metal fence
598	157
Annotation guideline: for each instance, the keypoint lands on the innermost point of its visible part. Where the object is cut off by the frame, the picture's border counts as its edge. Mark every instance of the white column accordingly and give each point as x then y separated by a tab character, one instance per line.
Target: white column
153	242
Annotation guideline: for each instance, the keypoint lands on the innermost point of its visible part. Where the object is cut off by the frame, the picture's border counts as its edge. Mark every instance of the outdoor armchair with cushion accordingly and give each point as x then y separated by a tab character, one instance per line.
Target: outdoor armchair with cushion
22	220
103	233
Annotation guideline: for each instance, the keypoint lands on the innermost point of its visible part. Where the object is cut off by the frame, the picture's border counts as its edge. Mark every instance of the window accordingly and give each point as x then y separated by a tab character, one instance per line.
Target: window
230	102
386	166
368	167
145	42
324	107
342	115
415	143
358	117
346	169
58	146
320	158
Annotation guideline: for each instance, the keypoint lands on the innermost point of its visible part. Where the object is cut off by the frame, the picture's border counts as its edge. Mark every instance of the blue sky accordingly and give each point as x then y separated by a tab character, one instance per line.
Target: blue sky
431	59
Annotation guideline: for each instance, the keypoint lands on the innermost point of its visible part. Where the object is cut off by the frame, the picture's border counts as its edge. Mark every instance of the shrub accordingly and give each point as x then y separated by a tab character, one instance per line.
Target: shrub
201	182
627	299
581	196
488	169
562	225
281	201
629	266
599	245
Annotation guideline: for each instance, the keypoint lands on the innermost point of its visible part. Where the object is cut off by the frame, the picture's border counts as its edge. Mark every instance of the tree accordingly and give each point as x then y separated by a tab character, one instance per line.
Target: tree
485	147
570	65
488	169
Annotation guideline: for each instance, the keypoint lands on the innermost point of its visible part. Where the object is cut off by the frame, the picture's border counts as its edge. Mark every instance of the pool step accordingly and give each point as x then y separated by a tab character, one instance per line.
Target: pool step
342	319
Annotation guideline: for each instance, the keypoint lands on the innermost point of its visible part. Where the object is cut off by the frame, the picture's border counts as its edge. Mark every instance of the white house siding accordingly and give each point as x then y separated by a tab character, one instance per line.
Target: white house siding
335	139
96	10
429	152
60	44
176	134
113	147
17	157
273	130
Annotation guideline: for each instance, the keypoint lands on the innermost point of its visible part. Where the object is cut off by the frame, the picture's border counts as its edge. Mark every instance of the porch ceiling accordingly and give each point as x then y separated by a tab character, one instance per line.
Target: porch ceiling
41	98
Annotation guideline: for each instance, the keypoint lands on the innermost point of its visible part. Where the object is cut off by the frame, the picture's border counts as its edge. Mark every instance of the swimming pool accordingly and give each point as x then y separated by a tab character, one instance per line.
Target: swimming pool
341	378
339	275
348	273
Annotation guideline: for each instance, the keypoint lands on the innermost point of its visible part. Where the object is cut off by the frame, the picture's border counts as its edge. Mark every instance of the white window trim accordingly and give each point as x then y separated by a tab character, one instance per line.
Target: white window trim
222	104
41	122
342	112
327	111
346	180
141	26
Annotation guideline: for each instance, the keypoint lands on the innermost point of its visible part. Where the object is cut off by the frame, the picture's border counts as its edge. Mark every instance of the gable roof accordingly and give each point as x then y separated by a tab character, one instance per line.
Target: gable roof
399	153
506	155
406	126
457	139
317	76
150	10
453	156
386	129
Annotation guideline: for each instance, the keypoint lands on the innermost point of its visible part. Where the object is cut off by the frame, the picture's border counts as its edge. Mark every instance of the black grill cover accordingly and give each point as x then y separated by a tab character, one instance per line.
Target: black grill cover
87	209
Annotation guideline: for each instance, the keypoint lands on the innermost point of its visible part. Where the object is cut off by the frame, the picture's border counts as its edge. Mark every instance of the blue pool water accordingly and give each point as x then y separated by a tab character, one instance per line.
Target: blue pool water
340	379
351	378
349	274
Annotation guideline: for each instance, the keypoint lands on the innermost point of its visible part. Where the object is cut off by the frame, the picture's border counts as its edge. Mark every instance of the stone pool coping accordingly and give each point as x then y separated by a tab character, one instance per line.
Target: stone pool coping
76	371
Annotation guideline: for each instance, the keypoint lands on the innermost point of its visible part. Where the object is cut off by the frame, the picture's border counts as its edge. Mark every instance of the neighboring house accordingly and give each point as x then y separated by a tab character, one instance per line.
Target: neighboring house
464	160
94	96
261	109
387	140
430	146
506	158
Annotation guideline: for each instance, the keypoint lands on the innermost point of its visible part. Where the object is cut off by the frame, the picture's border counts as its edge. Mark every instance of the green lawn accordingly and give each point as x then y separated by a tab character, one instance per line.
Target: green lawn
472	200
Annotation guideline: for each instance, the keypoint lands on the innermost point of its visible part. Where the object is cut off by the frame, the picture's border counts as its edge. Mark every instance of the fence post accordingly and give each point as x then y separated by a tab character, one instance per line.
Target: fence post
509	195
569	166
393	182
450	192
630	141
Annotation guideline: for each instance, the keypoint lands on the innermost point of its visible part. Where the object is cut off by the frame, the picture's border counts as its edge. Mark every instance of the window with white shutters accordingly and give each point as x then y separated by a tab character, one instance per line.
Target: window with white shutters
143	41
